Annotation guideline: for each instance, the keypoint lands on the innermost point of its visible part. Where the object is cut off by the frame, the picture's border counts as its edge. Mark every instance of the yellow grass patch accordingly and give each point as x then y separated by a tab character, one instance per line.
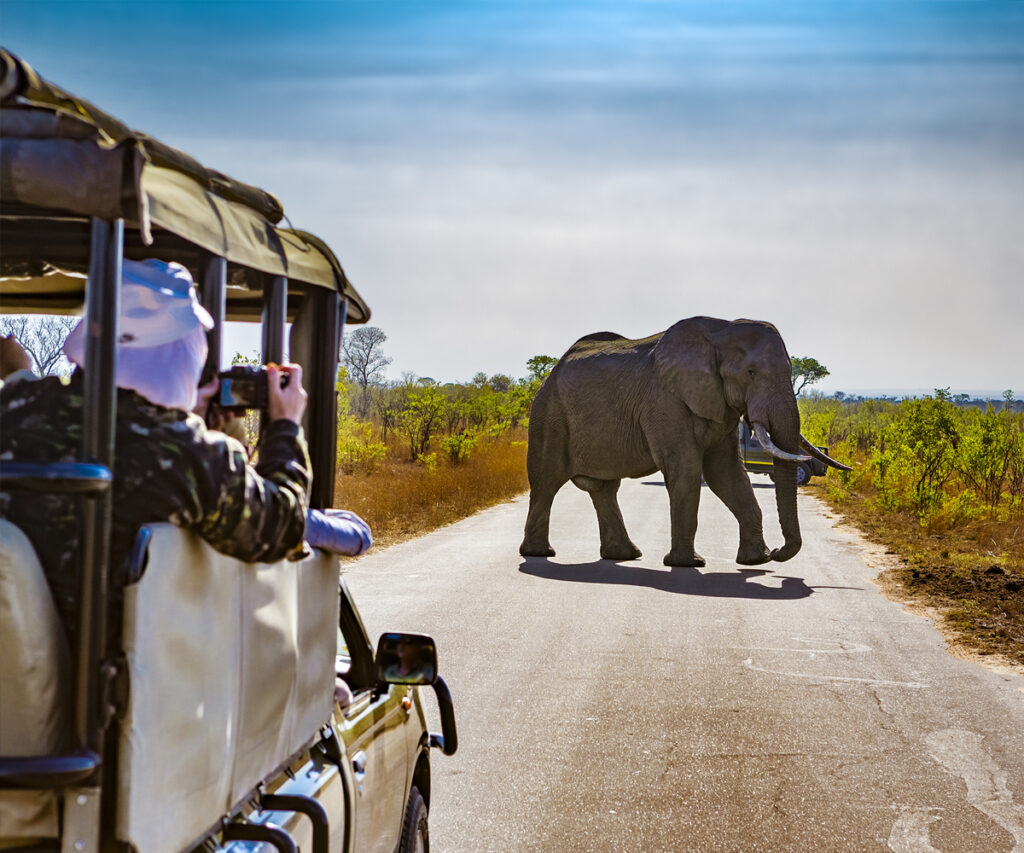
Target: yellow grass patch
403	499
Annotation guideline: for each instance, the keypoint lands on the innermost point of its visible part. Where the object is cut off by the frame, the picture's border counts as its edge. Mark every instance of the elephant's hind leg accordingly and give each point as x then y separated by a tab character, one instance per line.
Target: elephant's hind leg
548	470
615	542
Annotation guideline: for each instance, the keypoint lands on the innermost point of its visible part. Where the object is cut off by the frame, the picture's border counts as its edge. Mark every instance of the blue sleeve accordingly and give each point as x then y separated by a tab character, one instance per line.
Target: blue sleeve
338	531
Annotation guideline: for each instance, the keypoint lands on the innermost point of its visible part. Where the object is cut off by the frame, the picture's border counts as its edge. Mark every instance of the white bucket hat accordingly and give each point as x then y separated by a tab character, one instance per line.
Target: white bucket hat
162	346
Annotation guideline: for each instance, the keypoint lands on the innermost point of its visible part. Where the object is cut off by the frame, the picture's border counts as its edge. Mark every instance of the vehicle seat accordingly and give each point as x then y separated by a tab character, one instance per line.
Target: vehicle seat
231	673
35	682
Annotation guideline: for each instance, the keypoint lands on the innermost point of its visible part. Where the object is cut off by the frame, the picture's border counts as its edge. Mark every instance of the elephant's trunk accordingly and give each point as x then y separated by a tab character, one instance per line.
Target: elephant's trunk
784	445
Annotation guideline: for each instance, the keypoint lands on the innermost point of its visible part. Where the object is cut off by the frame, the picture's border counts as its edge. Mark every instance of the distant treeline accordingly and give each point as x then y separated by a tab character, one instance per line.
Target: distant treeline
428	422
1006	401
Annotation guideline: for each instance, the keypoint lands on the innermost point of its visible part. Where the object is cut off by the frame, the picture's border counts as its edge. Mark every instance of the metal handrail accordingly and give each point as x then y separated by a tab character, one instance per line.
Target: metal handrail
311	808
47	771
448	742
56	478
267	833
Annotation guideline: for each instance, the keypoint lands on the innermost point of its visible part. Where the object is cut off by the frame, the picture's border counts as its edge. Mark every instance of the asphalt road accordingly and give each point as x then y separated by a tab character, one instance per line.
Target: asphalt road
629	707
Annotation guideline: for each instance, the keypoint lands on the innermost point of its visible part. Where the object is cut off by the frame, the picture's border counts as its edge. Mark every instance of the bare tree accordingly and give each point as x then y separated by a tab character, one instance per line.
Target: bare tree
362	354
43	338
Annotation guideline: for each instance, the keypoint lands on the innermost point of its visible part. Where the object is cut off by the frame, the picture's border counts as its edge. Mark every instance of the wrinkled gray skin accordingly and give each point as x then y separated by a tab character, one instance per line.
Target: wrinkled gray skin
614	407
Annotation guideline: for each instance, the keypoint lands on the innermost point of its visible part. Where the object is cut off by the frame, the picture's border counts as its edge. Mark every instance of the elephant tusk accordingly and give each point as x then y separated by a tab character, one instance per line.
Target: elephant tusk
822	457
767	444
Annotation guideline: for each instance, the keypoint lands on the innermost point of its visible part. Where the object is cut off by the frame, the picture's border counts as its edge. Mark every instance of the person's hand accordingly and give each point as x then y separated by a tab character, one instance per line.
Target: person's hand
289	402
12	357
342	693
206	393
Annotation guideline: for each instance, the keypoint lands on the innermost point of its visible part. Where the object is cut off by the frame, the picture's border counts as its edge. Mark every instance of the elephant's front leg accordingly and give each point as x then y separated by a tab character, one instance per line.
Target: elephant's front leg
615	542
725	476
684	500
535	538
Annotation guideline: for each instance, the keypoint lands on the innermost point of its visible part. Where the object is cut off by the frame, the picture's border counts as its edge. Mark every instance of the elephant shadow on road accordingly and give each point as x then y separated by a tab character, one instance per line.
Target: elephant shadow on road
684	581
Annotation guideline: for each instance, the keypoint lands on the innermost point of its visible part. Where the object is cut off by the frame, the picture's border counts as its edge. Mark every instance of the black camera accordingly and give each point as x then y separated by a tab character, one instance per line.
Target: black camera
244	386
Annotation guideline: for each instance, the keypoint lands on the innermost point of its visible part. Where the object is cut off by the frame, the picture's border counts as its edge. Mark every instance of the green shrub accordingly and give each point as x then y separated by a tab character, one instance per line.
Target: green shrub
428	461
358	452
916	453
953	512
421	417
458	446
986	453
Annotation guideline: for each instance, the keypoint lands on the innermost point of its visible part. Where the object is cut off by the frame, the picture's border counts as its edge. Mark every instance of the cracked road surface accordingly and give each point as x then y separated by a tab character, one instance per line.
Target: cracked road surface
631	707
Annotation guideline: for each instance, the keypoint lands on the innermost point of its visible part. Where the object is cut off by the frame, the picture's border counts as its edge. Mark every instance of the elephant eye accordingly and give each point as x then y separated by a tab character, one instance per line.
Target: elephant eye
752	372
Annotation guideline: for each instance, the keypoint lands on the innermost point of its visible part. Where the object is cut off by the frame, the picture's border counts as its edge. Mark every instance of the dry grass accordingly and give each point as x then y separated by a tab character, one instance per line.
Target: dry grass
971	573
403	499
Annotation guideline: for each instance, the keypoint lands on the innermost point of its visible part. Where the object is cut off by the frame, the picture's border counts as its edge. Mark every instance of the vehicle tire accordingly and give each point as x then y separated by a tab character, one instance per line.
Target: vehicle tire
803	473
415	831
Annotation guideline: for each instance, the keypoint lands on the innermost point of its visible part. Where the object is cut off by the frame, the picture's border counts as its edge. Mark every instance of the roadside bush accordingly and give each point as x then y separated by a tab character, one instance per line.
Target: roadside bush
1015	474
918	449
420	418
954	512
428	461
358	452
986	454
458	446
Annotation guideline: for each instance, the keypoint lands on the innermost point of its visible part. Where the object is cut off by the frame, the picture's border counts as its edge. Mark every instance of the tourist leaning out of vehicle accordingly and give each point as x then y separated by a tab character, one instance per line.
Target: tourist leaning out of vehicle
168	465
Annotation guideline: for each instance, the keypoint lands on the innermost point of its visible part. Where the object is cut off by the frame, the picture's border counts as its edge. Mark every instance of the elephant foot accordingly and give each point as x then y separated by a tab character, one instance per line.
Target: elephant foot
687	559
526	550
754	556
786	552
628	551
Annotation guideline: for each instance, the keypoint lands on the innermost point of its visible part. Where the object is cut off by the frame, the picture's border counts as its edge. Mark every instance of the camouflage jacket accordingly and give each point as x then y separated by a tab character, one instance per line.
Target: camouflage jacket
167	467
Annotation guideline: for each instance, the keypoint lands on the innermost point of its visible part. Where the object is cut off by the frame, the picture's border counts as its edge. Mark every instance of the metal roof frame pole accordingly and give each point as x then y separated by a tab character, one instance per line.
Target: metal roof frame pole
213	296
273	319
99	407
275	315
323	420
102	314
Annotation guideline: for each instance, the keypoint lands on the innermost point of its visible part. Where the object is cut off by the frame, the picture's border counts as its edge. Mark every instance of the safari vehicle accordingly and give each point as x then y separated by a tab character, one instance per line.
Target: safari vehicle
759	461
210	722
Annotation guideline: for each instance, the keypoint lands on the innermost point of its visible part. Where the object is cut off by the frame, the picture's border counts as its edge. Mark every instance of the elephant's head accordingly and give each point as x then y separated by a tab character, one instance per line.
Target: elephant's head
722	370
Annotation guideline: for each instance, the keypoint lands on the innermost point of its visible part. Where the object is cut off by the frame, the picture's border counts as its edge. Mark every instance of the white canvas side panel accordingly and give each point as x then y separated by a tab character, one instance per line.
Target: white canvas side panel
182	641
287	679
318	602
231	671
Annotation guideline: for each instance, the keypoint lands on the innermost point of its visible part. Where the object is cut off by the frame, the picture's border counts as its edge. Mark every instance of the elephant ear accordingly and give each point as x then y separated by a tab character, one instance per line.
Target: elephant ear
687	363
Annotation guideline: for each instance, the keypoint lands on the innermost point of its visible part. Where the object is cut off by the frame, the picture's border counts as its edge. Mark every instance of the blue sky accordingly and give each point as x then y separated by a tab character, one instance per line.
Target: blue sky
500	178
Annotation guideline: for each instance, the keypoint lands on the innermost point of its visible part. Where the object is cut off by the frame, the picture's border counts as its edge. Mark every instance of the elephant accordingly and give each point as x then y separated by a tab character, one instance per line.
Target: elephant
613	407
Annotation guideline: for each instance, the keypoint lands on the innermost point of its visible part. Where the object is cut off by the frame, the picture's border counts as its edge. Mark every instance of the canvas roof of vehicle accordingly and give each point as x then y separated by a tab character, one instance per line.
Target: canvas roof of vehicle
63	160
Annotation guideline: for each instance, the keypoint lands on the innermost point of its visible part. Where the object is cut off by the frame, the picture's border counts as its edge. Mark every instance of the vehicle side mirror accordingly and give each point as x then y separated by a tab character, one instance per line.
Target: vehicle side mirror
406	659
